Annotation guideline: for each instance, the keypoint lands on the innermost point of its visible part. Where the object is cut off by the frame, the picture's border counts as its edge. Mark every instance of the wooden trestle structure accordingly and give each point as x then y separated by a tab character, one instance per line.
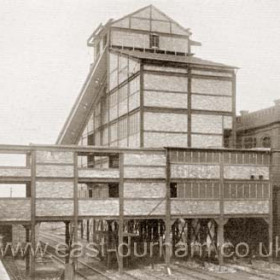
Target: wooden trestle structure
160	192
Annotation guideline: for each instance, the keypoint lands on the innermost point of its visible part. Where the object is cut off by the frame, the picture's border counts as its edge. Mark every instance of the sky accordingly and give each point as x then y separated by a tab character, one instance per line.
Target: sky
44	59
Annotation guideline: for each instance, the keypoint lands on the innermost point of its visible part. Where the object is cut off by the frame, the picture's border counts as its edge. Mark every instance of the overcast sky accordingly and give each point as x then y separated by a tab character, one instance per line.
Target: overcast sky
44	58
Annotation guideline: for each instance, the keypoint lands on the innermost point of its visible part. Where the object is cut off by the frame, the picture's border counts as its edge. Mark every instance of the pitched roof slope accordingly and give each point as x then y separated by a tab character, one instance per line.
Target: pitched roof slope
173	58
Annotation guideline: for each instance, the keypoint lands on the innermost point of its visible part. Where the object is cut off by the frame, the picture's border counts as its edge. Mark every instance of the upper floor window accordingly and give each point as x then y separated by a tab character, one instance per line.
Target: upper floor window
266	142
154	41
250	142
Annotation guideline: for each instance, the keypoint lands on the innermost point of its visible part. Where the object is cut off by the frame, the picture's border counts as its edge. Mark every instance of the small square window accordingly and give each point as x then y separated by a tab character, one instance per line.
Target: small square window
154	41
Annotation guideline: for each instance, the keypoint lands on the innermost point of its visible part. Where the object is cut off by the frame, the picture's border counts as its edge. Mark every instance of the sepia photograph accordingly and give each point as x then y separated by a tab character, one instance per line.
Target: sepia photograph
140	140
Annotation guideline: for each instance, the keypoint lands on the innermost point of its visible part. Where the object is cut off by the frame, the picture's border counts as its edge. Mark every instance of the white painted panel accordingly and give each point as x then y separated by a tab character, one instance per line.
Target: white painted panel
204	141
161	26
195	171
124	23
166	99
166	122
212	103
246	207
130	39
207	124
142	24
170	83
245	172
152	139
211	86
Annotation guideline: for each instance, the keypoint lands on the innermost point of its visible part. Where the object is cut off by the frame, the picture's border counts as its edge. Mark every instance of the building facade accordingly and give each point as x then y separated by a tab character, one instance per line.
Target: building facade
147	89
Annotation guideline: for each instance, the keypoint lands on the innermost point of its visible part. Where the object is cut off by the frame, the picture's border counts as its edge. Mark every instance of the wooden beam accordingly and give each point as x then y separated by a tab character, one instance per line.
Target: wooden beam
141	106
234	109
76	204
168	213
121	212
189	107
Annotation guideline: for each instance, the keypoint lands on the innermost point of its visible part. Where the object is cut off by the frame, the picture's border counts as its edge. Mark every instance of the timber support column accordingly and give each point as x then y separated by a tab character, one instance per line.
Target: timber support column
27	258
221	221
167	215
76	206
121	214
33	213
220	240
67	241
88	231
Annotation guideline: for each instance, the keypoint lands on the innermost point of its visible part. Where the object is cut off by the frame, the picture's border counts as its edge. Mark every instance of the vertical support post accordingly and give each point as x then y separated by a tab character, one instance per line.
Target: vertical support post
87	230
167	213
221	221
220	240
234	110
189	237
189	78
82	229
27	239
33	212
141	105
67	241
121	212
271	192
76	204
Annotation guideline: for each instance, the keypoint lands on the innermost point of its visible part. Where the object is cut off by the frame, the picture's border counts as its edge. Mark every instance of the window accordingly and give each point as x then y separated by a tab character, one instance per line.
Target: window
15	190
154	41
227	135
113	190
114	161
250	143
266	142
90	193
173	190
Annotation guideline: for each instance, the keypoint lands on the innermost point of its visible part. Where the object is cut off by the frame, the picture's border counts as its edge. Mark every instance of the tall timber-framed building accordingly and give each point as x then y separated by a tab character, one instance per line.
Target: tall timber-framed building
146	141
147	89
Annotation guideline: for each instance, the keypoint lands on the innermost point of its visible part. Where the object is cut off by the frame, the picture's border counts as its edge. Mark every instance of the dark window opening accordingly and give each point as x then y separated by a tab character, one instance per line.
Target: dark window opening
173	190
113	190
227	135
28	190
154	41
261	177
266	142
114	161
252	177
250	143
90	193
90	140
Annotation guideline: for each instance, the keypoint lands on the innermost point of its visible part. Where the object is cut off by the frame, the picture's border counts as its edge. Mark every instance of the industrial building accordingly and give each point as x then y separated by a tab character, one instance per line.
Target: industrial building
149	150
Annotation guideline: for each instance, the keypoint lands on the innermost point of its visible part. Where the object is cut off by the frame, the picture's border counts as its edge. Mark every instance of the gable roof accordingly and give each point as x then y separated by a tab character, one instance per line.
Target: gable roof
151	13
